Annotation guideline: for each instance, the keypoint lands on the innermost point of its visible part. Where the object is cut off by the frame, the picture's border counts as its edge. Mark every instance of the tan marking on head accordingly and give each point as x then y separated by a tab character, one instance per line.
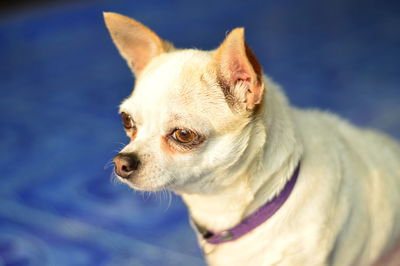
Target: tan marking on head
167	147
132	135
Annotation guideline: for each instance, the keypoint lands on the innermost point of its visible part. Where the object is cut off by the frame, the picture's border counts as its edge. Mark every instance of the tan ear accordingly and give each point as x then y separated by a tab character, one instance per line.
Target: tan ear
238	72
136	43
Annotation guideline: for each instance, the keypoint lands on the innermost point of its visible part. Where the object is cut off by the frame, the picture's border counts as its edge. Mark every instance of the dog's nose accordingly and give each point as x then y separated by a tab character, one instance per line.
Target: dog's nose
125	164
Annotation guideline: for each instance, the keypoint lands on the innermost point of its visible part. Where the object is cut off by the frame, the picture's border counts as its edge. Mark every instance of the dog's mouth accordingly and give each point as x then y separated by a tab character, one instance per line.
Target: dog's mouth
149	187
142	183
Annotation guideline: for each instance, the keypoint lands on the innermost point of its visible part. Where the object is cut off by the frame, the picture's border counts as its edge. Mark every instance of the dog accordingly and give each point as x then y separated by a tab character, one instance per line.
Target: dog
265	183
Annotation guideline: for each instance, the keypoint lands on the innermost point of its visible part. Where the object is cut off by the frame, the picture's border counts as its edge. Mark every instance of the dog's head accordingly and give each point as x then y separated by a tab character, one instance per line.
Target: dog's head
189	118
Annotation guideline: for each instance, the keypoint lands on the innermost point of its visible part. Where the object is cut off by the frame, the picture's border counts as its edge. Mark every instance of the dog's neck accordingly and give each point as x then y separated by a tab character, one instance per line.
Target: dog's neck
264	175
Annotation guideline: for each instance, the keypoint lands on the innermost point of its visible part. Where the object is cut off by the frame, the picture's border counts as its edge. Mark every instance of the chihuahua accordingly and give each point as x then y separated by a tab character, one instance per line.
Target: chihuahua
265	183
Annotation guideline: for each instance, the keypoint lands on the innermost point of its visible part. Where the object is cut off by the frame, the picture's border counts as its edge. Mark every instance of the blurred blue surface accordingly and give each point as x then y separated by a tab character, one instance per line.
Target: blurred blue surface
61	81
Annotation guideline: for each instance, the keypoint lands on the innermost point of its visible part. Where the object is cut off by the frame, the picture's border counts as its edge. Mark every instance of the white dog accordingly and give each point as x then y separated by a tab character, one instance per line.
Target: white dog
265	183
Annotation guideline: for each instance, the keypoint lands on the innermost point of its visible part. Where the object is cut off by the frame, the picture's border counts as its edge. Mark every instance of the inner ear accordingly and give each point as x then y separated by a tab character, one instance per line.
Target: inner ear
239	71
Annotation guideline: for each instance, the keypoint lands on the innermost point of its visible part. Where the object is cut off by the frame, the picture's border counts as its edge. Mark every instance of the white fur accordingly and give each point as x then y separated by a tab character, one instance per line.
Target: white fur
344	209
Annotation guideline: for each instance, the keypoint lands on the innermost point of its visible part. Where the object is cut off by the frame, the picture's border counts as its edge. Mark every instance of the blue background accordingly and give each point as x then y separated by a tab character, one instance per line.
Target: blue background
61	80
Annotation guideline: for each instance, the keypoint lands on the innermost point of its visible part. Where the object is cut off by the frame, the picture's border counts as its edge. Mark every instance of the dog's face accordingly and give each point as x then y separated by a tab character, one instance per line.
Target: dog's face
189	116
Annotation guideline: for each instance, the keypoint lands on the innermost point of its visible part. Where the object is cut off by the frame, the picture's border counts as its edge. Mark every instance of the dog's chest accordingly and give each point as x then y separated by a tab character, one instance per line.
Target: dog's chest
256	249
277	242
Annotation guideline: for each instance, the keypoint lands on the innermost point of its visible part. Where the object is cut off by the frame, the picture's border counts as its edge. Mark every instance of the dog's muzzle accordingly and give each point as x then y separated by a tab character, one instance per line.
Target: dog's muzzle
126	164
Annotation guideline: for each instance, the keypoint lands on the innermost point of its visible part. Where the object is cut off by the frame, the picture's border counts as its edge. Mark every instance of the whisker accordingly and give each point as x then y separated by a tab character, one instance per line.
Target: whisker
108	164
169	193
121	144
164	194
146	198
114	179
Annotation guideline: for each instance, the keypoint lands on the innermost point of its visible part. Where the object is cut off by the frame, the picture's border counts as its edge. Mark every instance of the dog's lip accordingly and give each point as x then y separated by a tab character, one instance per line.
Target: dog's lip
121	178
126	180
145	187
130	181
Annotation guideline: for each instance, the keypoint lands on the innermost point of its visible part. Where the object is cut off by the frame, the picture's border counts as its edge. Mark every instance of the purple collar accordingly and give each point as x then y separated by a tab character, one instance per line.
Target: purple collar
255	219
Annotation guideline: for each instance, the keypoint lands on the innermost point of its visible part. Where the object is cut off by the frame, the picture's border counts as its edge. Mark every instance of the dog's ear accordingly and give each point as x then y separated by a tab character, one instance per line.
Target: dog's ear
238	72
136	43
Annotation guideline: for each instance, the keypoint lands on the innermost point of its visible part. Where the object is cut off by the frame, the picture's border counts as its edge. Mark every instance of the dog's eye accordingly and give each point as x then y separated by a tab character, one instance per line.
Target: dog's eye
184	136
127	121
